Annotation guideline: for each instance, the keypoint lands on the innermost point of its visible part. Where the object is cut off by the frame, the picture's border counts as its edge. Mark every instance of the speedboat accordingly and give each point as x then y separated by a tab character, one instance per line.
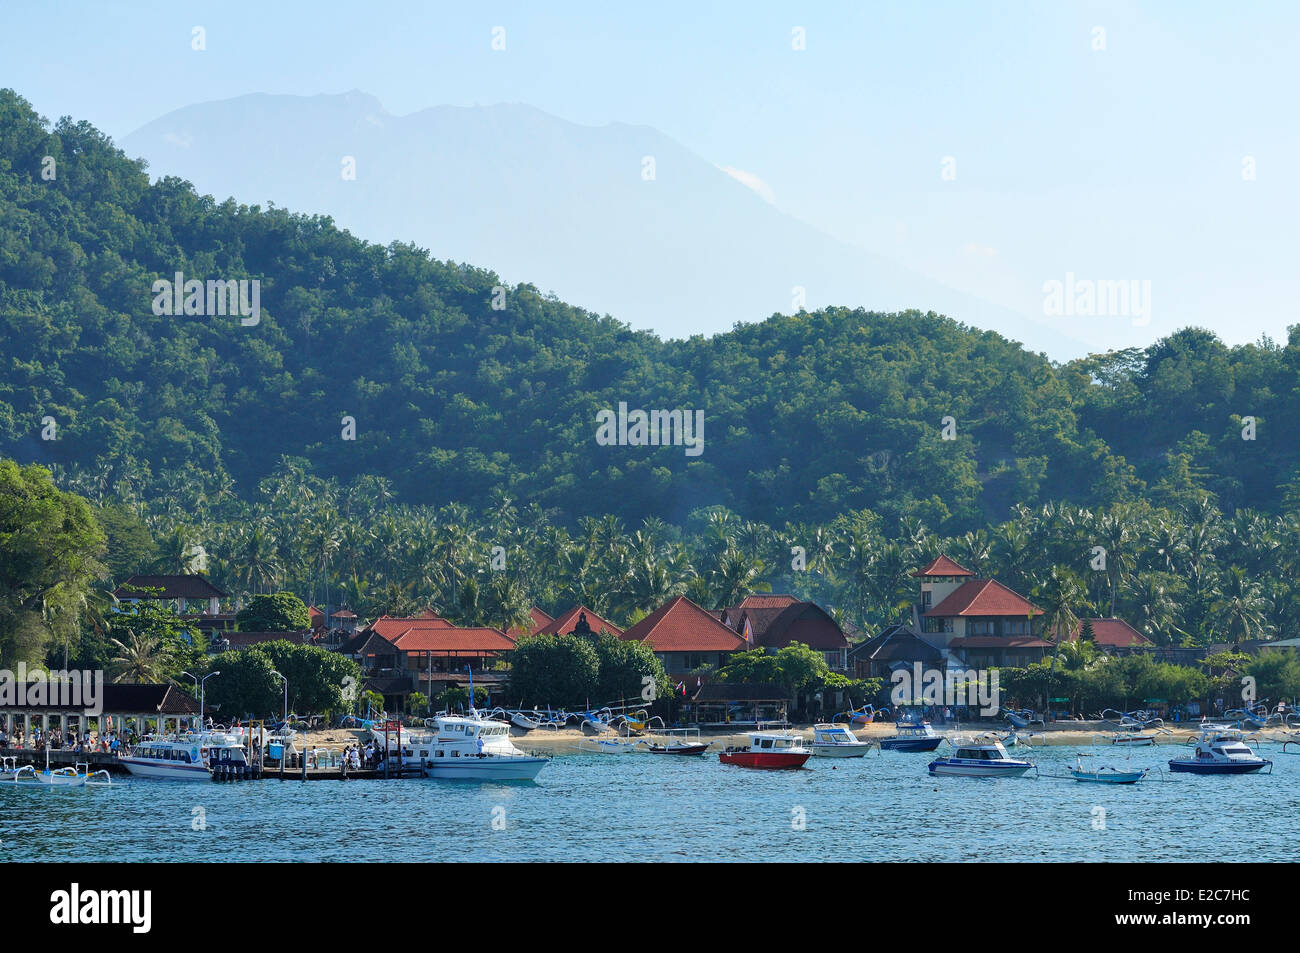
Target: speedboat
1220	751
982	758
468	747
1105	774
912	736
768	751
836	741
189	758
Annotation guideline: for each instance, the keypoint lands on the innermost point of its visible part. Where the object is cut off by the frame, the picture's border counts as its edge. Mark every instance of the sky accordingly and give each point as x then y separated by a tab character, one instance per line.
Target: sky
996	147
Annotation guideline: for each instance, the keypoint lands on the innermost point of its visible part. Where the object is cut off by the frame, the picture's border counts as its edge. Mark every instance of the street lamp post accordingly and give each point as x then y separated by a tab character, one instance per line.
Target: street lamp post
284	717
196	685
203	687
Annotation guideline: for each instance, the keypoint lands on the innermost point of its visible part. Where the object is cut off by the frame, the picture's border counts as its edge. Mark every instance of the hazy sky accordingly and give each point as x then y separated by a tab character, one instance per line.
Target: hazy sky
1116	163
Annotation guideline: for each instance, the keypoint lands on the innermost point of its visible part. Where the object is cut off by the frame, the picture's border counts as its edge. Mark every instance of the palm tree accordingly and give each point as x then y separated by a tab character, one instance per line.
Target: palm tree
141	659
1242	607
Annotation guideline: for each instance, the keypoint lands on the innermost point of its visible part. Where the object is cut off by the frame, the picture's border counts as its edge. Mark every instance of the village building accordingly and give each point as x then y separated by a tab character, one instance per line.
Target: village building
579	621
737	704
1113	636
686	637
537	619
122	707
182	591
772	622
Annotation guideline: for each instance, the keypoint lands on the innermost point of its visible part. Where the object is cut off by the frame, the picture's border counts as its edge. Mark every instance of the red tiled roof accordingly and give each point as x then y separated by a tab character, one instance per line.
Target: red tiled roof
682	626
998	642
779	626
984	597
539	618
1114	633
390	626
423	637
943	566
565	621
767	602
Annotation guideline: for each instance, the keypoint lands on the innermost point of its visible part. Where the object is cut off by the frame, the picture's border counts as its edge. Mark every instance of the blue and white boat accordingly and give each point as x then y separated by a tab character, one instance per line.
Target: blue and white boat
912	736
980	758
1105	773
836	741
1220	750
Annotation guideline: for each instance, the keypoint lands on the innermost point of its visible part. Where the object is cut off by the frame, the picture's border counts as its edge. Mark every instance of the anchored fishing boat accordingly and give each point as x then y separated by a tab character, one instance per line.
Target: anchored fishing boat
980	758
75	777
1105	774
468	747
768	751
1220	750
684	741
9	768
836	741
912	736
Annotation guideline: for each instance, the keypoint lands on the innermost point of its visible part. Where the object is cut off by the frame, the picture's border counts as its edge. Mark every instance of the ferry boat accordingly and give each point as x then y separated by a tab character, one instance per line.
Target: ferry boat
980	758
1220	751
836	741
912	736
768	751
189	758
468	747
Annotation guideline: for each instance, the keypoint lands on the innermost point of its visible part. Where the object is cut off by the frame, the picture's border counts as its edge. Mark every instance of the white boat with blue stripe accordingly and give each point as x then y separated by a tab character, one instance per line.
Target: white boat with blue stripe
983	757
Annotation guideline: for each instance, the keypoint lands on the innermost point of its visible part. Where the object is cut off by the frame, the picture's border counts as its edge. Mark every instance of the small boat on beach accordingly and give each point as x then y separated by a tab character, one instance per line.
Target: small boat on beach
836	741
769	752
980	758
912	736
1220	750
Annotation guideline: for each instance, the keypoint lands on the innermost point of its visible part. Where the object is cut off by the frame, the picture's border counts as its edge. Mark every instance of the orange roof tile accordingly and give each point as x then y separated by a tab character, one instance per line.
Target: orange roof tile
943	566
539	619
422	637
681	626
984	597
767	602
1114	633
565	621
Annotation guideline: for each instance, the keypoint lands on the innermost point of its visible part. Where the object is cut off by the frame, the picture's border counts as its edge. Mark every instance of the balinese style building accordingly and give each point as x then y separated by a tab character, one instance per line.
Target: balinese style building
538	618
1114	636
181	591
686	637
579	621
988	624
774	621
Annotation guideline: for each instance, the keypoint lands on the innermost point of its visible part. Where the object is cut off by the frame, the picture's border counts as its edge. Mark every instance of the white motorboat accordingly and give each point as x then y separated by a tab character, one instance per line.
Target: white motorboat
188	758
836	741
980	758
1221	750
468	747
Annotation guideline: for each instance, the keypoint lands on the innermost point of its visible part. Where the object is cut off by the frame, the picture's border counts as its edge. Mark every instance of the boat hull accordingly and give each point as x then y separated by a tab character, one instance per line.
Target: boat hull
839	751
679	749
910	744
166	772
766	760
975	769
1222	767
486	769
1109	777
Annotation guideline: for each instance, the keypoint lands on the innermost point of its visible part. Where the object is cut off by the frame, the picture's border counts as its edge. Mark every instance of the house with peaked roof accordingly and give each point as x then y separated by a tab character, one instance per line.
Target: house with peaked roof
537	617
685	637
989	624
1113	636
773	622
898	646
179	589
579	621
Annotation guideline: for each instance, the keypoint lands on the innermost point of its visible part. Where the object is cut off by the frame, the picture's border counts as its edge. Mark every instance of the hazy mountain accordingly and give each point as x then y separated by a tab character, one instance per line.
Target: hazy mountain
542	200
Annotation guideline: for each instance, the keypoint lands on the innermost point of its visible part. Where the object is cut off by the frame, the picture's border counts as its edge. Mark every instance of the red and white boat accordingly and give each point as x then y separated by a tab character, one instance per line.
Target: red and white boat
770	751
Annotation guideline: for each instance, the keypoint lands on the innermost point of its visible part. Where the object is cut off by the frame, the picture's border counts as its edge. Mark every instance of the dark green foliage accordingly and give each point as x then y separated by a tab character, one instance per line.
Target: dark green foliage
560	671
276	612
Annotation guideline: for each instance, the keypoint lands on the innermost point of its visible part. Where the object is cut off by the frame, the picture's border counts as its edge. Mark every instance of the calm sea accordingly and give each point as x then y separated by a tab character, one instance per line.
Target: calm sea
649	808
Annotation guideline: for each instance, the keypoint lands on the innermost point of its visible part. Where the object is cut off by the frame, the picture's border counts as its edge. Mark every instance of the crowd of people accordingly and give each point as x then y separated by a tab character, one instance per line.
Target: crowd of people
85	742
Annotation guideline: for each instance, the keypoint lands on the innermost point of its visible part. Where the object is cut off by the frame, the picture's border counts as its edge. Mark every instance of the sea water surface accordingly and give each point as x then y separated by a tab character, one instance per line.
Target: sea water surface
642	807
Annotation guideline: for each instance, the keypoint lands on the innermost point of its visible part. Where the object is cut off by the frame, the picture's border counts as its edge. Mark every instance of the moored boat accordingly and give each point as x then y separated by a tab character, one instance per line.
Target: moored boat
836	741
681	741
982	758
768	751
468	747
1220	750
912	736
1105	774
187	758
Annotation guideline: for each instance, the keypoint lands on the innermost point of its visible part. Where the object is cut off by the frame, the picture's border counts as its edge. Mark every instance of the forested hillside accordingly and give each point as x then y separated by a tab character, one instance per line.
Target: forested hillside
806	416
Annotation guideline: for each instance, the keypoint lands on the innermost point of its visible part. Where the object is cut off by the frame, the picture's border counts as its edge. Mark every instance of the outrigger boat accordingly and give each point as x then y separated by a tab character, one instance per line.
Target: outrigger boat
9	768
980	758
836	741
768	751
912	736
1220	750
1105	774
685	741
74	777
